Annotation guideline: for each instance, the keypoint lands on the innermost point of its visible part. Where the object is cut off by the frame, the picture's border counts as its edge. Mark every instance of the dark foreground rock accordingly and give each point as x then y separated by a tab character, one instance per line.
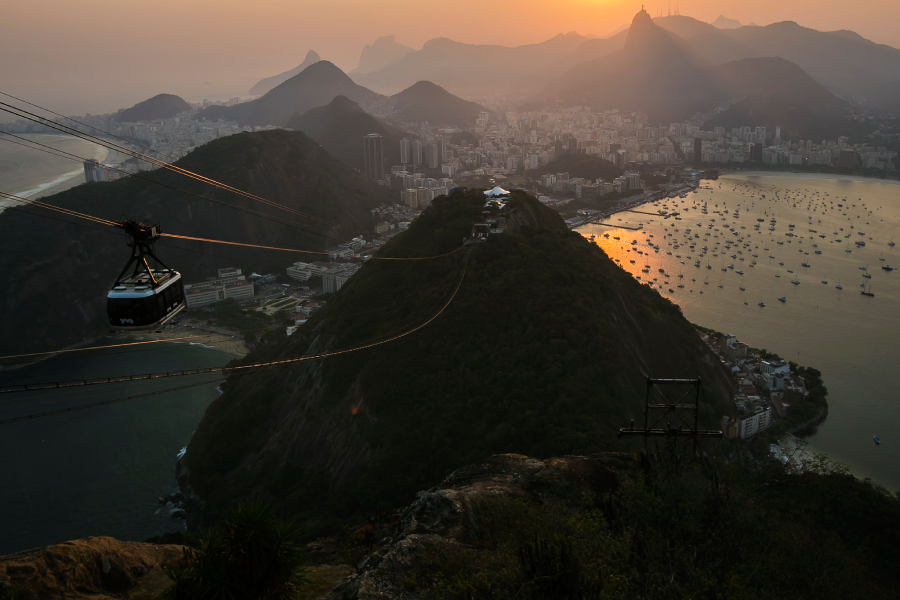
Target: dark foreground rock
449	513
95	567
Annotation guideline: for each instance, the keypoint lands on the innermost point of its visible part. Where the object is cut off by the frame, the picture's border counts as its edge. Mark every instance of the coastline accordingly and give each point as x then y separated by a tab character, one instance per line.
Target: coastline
66	180
225	340
207	336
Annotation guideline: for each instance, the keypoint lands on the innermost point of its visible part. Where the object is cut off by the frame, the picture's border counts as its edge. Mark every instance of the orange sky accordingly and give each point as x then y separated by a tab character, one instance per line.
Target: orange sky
99	55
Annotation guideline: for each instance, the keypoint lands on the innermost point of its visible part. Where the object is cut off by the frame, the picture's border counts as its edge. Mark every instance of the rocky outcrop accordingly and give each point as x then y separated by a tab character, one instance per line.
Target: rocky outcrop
448	514
94	567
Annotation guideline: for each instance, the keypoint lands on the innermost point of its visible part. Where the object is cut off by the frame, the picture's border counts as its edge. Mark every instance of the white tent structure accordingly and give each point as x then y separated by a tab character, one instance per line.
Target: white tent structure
497	192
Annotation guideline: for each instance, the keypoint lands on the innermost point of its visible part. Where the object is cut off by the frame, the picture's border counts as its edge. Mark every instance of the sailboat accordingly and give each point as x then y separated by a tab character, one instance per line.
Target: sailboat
891	243
839	286
742	285
869	293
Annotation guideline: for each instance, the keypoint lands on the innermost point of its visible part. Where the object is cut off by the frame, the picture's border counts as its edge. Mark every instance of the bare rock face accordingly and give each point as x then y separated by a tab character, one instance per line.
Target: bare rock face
94	567
447	514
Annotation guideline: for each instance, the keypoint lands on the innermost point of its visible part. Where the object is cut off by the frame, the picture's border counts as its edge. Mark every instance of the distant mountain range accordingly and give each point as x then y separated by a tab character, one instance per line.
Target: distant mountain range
339	128
842	61
663	74
264	85
380	54
317	85
161	106
470	69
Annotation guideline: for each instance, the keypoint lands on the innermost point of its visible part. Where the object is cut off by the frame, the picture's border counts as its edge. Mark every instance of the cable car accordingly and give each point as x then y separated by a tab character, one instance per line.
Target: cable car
148	297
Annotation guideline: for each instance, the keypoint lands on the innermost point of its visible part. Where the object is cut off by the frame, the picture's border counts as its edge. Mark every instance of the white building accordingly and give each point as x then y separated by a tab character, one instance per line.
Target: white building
757	423
216	289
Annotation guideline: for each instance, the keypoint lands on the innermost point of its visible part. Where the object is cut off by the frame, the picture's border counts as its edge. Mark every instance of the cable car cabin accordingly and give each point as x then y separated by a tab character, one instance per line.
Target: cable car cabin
136	305
149	297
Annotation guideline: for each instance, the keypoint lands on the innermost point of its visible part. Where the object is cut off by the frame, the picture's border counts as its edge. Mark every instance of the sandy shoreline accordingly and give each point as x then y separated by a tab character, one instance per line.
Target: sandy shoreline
195	332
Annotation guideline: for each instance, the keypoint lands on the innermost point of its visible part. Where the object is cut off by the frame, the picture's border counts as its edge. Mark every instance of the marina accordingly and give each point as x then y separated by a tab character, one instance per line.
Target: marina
801	322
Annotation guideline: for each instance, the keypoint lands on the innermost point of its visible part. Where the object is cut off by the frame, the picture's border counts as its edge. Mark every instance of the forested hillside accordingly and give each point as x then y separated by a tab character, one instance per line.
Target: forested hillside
544	350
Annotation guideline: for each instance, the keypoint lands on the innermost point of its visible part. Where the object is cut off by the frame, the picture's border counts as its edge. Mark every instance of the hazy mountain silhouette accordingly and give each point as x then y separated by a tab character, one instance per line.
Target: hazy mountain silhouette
725	23
264	85
843	61
382	52
656	71
339	128
161	106
427	101
469	68
317	85
662	74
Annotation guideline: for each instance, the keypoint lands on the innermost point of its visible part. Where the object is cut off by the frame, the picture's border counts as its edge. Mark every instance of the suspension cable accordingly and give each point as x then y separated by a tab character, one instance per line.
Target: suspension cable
105	402
22	113
30	387
242	209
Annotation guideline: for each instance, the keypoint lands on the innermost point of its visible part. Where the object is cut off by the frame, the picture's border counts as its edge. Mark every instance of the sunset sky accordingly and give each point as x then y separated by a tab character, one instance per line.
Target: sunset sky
100	55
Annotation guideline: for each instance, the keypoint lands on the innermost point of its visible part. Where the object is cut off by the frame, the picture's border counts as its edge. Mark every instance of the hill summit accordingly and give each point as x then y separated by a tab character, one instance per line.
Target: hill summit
161	106
339	128
427	101
316	85
544	349
264	85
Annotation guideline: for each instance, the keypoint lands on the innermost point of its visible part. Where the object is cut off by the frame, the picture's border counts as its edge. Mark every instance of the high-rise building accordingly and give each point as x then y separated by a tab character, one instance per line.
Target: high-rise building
573	145
417	152
756	152
698	150
558	148
405	152
431	159
94	171
847	158
374	156
443	149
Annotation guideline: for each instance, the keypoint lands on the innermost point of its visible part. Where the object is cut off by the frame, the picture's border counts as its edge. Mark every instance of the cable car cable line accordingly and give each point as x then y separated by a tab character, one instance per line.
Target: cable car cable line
242	209
16	111
226	370
417	300
105	402
85	124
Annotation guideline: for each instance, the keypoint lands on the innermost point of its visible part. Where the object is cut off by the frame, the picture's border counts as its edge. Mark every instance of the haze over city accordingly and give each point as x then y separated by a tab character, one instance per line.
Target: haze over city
109	54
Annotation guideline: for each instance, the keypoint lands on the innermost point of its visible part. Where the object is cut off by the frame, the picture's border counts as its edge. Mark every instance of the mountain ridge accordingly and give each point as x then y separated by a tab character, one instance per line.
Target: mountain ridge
317	85
339	128
161	106
267	83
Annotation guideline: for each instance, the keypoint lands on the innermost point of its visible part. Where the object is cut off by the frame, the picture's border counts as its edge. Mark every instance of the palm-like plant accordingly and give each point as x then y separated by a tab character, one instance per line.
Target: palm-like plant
251	554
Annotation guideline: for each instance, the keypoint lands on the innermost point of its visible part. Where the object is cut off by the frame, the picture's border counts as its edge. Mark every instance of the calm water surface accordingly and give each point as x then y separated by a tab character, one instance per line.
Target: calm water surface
98	471
850	337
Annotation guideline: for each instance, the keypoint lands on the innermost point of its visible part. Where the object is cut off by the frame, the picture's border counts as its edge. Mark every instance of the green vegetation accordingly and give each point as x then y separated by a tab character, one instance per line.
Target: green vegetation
251	554
228	313
588	166
678	528
532	356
